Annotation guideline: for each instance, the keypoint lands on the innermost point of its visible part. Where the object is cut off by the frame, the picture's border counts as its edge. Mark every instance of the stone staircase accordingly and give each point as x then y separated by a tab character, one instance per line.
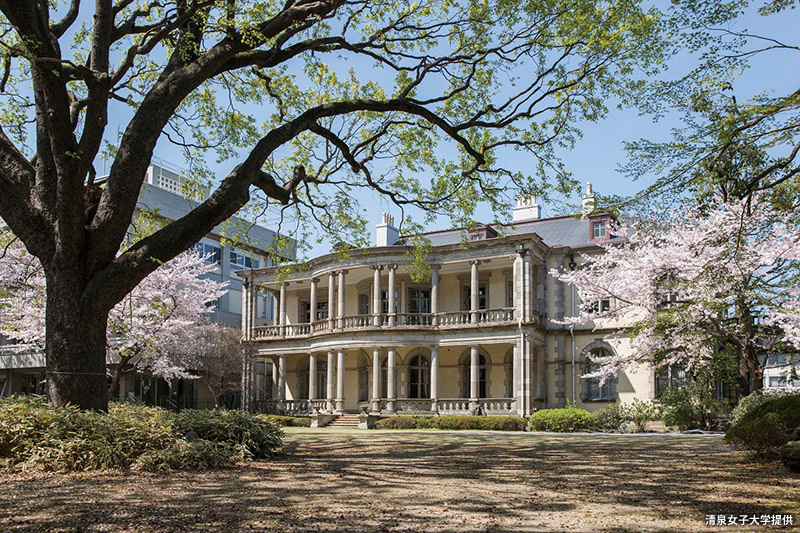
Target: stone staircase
344	422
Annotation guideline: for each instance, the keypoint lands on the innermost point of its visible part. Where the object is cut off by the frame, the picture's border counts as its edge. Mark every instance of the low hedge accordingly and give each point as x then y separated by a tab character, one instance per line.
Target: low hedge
565	420
766	427
287	421
454	422
37	435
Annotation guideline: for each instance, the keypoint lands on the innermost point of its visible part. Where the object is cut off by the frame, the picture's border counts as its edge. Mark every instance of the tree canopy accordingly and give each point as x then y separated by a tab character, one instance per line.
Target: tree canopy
303	100
730	142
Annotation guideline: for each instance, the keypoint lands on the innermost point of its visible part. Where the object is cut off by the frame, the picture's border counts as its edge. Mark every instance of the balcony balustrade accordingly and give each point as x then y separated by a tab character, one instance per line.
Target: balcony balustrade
447	320
403	406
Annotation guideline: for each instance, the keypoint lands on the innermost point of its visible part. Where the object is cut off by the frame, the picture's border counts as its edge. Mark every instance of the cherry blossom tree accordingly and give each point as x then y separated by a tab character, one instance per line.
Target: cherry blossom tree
687	286
152	329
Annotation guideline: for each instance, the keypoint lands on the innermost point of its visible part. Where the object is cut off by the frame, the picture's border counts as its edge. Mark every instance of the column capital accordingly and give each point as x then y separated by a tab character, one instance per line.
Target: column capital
435	267
391	266
314	280
475	261
341	272
376	267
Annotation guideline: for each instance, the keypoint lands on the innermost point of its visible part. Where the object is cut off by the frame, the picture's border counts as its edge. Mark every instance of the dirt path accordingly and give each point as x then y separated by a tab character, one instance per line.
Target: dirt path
423	481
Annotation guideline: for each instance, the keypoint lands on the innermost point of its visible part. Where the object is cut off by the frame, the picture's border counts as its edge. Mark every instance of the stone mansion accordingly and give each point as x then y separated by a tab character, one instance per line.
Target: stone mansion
359	335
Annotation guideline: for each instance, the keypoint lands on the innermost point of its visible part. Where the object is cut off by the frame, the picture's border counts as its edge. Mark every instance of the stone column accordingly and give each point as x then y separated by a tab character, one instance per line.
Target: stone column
253	307
341	298
282	310
517	389
435	295
391	380
474	378
312	312
331	301
376	295
274	380
376	381
473	292
518	292
435	380
329	391
312	377
391	300
245	378
246	333
282	378
275	308
527	269
340	383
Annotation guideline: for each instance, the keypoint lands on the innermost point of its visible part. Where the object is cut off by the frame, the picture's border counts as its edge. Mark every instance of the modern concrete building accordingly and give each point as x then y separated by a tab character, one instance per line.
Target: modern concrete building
362	334
161	197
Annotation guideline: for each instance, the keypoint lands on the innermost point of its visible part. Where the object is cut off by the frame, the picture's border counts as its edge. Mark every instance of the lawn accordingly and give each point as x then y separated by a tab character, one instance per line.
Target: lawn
351	480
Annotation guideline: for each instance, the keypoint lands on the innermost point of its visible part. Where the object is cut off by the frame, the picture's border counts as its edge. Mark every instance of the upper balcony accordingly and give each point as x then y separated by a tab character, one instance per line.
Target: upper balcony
482	284
395	321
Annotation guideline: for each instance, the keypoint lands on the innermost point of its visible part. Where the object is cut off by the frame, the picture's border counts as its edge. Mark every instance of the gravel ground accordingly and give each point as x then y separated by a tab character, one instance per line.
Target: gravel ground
351	480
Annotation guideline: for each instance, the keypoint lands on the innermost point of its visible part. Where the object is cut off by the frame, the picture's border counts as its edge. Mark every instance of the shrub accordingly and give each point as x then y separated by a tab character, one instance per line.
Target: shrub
397	422
183	455
765	428
758	397
612	417
454	422
640	413
682	409
287	421
37	435
563	420
258	438
491	423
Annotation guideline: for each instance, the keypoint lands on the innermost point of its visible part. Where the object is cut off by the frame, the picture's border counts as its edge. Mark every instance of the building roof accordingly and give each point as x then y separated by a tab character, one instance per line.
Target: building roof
566	231
174	206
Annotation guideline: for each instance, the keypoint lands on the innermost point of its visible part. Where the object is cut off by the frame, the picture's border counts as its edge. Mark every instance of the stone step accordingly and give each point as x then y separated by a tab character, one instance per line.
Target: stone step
344	421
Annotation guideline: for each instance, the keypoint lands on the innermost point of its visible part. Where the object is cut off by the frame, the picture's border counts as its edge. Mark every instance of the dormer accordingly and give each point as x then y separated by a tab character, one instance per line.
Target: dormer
481	233
600	226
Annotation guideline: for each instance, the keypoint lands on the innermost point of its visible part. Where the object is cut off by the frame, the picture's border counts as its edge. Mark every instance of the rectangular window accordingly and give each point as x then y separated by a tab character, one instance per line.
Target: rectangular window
419	302
305	314
599	306
466	297
239	261
363	304
673	376
599	230
777	381
211	254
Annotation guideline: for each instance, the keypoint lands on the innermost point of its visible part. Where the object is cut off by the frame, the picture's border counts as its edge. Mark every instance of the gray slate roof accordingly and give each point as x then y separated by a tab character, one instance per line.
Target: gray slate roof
558	231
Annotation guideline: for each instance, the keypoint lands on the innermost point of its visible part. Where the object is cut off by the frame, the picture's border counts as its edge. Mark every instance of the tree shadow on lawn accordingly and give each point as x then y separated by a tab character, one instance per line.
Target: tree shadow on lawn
407	481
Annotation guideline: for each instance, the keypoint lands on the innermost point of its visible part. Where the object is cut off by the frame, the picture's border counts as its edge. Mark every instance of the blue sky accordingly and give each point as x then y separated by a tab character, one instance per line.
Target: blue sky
598	156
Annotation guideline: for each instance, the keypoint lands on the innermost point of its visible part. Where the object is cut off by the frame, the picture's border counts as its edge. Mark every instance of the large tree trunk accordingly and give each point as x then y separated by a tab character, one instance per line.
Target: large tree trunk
751	373
75	345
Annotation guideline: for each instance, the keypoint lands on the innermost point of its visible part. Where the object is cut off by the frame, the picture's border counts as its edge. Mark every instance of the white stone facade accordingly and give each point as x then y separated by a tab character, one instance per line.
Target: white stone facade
475	338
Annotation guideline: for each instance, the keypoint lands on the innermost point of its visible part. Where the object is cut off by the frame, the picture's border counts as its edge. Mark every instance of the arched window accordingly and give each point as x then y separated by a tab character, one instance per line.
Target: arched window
466	376
594	390
419	377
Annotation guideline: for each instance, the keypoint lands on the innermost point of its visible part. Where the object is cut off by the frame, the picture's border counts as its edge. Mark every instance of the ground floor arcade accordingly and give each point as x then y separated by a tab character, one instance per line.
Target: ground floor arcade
462	379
